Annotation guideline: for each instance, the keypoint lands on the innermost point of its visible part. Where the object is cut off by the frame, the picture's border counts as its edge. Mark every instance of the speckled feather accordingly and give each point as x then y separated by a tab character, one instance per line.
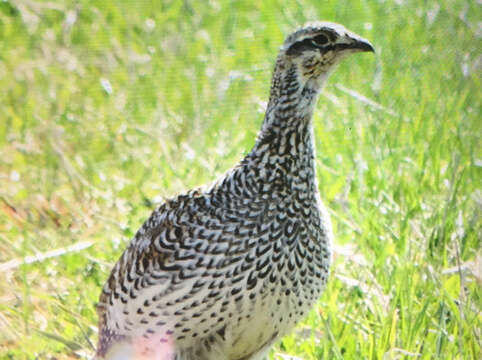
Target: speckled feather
224	272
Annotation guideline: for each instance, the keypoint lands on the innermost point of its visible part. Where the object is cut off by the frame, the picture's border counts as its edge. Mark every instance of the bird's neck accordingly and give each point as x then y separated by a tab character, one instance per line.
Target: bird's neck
287	126
284	150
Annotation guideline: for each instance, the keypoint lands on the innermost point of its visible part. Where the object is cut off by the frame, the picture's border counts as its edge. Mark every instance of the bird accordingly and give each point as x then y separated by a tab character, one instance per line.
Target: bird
226	270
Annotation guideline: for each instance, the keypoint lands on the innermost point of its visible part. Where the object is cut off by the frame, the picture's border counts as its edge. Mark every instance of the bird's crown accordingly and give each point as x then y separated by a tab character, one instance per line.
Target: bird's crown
323	37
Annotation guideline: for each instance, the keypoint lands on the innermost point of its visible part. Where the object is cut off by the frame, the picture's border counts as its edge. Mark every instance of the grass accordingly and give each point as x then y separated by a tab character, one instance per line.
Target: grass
109	106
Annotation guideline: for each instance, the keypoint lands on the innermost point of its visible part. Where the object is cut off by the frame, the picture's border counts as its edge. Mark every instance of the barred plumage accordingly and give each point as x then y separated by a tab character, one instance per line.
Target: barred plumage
222	273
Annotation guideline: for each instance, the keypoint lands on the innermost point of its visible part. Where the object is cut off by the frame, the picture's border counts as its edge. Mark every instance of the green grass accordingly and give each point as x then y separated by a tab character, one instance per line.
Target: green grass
79	162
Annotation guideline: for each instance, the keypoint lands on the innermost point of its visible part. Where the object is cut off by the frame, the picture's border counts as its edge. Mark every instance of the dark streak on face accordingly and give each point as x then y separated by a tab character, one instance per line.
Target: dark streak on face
308	44
311	43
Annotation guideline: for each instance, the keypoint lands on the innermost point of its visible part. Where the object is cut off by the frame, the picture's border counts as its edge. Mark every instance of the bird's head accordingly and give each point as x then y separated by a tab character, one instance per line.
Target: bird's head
312	52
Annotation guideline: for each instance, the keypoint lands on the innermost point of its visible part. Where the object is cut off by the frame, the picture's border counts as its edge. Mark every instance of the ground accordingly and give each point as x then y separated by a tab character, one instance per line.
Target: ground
107	107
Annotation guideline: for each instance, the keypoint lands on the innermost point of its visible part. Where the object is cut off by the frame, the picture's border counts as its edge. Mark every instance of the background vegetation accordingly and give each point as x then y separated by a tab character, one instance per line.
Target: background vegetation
107	107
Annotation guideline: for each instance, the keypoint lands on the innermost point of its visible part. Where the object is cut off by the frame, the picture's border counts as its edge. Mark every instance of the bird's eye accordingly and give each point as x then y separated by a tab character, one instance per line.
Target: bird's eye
320	40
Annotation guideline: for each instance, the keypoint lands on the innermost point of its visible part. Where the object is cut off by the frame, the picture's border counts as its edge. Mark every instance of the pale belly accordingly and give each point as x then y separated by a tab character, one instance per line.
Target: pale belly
254	331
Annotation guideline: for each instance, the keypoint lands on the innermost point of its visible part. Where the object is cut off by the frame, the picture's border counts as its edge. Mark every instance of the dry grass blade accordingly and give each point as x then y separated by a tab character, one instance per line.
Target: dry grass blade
363	99
14	263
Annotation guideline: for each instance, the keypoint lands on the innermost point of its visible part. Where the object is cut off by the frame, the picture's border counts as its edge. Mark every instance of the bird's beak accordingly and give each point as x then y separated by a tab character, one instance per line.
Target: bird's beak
353	43
362	45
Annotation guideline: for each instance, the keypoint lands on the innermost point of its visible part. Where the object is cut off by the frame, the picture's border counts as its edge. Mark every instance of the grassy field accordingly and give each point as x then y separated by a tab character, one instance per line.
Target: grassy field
107	107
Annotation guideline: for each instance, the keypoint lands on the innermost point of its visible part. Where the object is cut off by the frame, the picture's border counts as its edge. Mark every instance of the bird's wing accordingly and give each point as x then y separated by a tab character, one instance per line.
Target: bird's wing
174	263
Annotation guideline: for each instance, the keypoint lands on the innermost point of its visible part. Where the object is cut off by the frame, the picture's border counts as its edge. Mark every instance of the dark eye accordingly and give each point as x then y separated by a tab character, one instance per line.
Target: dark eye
320	40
